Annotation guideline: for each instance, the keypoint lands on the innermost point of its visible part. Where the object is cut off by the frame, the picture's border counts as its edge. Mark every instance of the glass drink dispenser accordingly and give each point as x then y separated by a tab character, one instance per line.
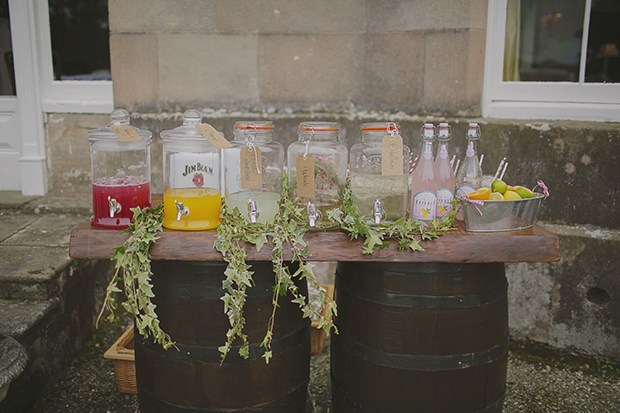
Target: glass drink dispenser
192	195
121	171
317	170
379	173
253	171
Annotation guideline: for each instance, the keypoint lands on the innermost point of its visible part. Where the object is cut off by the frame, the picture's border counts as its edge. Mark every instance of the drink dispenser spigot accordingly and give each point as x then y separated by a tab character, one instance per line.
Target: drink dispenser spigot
121	171
192	194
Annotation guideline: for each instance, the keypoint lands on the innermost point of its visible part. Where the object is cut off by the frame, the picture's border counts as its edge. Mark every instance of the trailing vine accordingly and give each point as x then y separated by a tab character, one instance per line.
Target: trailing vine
133	271
133	265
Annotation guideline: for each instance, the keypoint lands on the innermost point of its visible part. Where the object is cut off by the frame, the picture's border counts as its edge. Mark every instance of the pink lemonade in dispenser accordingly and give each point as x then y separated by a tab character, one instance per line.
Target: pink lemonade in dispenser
112	197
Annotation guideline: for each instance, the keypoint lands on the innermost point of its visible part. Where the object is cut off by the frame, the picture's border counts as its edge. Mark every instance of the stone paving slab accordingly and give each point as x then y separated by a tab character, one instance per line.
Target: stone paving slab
47	230
10	224
17	317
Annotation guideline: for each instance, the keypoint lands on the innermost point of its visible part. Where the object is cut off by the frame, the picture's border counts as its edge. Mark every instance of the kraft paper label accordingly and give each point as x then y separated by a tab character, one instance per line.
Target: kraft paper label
392	155
250	167
125	133
305	176
213	136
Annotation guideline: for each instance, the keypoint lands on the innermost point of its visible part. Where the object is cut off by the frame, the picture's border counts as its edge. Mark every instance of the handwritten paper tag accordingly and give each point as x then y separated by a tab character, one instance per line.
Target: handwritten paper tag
125	133
213	136
250	165
392	155
305	176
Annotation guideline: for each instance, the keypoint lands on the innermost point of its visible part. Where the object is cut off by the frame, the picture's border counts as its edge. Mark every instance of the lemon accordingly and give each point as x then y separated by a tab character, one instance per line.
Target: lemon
480	194
499	186
511	195
524	192
511	188
496	196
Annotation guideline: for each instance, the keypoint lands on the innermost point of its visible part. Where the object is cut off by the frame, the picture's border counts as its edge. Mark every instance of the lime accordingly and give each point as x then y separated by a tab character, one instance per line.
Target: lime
524	192
511	195
499	186
480	194
496	196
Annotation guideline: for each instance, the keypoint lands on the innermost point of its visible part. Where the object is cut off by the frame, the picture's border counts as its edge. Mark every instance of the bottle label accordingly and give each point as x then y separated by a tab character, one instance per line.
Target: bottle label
424	205
125	133
428	151
444	202
443	152
189	170
463	190
470	150
213	136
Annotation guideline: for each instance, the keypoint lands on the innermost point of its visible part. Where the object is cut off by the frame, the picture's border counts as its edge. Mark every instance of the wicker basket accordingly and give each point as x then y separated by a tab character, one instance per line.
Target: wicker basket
317	336
122	352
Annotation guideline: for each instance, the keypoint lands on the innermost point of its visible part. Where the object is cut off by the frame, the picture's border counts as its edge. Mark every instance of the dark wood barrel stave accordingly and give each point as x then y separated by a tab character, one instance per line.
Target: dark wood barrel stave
428	337
187	295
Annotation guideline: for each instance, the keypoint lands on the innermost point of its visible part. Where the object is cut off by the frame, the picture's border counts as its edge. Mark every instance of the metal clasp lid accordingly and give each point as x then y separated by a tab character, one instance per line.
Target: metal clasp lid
313	215
182	210
378	211
253	211
115	206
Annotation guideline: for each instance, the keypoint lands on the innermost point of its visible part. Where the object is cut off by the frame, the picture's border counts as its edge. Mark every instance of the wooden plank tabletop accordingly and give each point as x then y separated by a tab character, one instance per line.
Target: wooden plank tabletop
534	244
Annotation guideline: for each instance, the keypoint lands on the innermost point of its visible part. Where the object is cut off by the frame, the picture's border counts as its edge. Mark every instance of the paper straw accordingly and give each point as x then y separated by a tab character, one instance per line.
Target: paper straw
452	161
456	168
481	159
499	169
414	162
505	167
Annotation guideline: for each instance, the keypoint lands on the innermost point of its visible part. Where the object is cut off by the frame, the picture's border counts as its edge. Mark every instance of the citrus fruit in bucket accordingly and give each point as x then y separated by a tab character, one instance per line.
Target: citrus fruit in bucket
511	195
496	196
524	192
499	186
481	194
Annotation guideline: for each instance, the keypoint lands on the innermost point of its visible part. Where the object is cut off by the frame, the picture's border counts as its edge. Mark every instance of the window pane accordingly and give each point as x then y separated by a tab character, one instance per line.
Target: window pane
543	40
80	39
7	74
603	64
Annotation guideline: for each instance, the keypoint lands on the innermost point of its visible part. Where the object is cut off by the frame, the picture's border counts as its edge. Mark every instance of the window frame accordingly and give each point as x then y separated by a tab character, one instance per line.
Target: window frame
540	100
66	96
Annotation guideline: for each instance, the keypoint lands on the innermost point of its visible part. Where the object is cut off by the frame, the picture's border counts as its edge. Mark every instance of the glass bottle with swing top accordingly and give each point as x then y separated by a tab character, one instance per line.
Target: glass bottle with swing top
424	179
469	175
253	171
120	157
192	167
445	175
317	170
379	173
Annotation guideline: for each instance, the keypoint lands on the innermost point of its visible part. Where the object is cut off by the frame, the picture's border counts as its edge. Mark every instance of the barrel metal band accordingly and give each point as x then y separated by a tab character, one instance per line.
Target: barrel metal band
356	407
421	361
193	353
205	292
422	301
278	405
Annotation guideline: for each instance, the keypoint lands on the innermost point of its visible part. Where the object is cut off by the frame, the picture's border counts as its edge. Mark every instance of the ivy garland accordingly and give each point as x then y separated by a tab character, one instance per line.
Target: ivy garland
133	267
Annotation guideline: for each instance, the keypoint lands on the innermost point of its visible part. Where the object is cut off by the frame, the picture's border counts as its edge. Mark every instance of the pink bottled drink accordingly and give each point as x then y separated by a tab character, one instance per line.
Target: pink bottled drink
114	196
445	176
423	179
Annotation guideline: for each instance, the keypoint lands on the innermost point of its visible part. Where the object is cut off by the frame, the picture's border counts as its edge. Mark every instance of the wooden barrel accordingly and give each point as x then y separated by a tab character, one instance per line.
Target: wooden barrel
187	295
427	337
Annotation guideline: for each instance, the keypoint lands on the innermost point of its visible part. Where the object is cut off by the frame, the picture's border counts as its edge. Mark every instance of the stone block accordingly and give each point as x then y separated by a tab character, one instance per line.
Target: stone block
216	69
134	66
137	16
290	16
404	15
318	70
393	72
453	72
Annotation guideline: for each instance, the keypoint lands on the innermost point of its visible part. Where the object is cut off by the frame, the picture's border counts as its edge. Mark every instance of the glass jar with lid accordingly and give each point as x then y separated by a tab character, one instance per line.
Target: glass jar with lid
379	173
121	171
192	194
253	171
317	170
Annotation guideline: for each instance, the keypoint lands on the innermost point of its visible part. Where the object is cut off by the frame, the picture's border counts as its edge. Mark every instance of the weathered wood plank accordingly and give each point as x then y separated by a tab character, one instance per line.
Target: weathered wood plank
534	244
